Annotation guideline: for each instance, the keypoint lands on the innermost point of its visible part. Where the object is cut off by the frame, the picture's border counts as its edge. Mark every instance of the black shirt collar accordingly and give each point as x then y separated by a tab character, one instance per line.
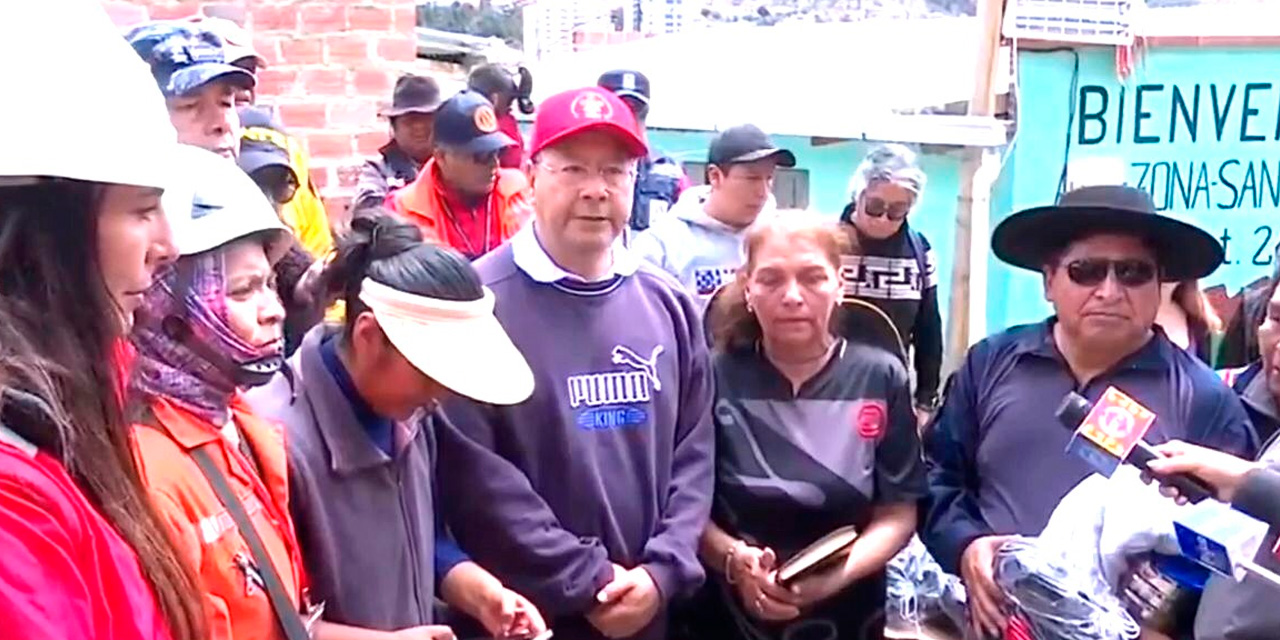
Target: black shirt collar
1155	355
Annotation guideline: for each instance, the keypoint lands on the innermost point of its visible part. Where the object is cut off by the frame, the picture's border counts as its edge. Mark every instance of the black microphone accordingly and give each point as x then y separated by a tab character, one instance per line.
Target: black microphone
1075	413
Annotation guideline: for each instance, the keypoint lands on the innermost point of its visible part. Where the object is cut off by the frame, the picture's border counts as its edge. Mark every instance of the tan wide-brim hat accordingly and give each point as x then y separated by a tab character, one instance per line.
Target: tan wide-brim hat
459	344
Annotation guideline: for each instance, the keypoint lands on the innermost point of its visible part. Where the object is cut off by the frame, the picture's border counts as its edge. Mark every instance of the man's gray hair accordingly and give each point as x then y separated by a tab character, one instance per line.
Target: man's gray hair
893	163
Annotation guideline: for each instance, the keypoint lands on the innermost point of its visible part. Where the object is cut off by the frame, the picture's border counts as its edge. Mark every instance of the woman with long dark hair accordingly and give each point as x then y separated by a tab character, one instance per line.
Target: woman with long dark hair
814	434
82	233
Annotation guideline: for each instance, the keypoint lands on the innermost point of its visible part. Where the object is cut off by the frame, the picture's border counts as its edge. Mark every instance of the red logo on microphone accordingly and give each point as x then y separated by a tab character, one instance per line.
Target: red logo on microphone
1116	423
870	418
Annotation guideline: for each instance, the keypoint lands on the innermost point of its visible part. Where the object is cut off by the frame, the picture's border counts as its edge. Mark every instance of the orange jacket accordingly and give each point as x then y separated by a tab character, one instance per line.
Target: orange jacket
204	530
422	202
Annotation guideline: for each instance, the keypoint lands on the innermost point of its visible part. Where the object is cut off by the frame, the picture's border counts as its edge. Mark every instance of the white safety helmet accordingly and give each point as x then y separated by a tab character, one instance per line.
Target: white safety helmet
82	105
212	202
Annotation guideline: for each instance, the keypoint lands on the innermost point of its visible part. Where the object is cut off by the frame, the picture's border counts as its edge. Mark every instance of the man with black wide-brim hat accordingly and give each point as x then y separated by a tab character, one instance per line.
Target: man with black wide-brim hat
997	455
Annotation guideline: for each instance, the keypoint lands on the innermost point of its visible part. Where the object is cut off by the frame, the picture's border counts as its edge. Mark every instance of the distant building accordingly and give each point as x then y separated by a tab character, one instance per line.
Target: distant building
561	26
663	16
549	25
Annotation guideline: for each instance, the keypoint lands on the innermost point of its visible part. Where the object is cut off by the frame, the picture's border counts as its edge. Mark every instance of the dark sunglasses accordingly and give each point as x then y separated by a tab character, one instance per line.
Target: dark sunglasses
1091	272
284	193
877	208
486	159
279	187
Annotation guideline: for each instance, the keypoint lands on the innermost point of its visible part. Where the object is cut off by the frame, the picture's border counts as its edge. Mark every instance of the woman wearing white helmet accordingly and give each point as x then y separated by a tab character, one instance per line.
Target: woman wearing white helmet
211	326
81	235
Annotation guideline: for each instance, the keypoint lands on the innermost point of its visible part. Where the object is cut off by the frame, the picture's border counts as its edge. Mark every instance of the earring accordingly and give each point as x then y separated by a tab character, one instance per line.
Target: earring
750	307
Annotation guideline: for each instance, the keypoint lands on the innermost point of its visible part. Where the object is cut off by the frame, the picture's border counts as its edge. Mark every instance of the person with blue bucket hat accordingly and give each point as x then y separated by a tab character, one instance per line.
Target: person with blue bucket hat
199	85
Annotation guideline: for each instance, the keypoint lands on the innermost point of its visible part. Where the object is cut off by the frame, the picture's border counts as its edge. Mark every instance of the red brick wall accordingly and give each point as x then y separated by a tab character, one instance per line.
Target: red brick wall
330	65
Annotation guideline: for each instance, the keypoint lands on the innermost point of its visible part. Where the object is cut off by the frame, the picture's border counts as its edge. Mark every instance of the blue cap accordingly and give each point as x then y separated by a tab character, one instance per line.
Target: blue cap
466	122
184	59
626	84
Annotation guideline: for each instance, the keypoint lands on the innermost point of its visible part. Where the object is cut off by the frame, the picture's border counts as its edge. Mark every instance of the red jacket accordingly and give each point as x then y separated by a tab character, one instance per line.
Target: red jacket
511	157
66	573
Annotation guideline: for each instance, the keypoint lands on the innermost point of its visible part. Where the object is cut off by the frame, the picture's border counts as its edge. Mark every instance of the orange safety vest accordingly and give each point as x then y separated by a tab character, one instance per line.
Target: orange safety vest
422	202
237	605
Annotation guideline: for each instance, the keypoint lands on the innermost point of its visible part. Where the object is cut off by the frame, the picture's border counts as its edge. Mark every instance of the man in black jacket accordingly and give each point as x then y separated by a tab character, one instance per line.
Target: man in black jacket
412	116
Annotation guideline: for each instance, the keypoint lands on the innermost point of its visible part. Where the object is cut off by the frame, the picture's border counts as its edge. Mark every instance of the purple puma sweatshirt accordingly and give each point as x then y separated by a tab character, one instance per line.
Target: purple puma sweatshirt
610	461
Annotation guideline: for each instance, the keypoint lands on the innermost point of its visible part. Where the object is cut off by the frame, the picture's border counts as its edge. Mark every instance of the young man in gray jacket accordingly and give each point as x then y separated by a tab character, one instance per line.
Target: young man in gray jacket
700	241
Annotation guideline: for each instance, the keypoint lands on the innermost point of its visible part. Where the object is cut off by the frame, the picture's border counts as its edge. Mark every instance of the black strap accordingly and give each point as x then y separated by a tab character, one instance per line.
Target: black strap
286	613
922	257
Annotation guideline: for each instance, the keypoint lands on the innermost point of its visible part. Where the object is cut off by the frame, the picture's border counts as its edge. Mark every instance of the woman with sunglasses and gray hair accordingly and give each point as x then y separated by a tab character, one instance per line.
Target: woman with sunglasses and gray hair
896	269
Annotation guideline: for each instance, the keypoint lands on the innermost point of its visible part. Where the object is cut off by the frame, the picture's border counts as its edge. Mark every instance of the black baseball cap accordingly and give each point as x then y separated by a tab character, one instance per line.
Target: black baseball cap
257	154
466	122
626	84
746	143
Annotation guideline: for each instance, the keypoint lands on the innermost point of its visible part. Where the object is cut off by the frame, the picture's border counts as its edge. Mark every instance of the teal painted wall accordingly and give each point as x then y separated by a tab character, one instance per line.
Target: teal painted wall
1196	127
831	166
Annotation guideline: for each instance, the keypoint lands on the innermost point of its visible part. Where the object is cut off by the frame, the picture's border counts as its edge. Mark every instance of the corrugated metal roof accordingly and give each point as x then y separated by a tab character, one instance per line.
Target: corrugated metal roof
434	43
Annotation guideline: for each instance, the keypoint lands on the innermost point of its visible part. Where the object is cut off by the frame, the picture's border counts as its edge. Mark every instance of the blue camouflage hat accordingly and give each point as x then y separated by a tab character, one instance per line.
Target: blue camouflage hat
184	59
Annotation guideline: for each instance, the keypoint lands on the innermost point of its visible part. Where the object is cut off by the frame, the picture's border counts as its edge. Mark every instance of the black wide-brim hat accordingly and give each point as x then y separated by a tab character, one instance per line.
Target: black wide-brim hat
413	94
1029	239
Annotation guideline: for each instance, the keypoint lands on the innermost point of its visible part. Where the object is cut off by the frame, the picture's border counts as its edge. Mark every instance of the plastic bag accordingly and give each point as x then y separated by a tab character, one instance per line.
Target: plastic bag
1103	522
1065	582
1058	601
919	589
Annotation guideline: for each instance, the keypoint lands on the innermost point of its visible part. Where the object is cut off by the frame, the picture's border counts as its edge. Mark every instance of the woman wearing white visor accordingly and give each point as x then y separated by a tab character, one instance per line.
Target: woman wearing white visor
359	410
81	236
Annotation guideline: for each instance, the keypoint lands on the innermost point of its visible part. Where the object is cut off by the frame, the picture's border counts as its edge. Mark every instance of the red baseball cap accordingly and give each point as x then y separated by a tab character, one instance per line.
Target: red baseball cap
587	109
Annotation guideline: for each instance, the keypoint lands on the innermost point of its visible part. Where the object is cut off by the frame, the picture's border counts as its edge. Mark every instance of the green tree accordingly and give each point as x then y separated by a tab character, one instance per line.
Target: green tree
954	7
486	20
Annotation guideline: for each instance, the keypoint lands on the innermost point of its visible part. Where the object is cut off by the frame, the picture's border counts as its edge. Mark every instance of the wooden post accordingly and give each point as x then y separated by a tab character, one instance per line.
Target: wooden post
971	247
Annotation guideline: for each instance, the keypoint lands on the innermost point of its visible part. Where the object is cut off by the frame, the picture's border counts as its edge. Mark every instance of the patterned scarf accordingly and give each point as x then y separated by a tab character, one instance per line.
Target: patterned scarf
199	367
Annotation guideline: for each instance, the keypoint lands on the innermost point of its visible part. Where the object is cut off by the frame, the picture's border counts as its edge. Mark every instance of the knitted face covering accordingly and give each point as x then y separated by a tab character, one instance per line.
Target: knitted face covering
187	351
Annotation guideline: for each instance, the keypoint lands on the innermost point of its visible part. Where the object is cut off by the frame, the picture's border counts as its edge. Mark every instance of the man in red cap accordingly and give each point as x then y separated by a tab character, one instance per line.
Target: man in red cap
589	497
